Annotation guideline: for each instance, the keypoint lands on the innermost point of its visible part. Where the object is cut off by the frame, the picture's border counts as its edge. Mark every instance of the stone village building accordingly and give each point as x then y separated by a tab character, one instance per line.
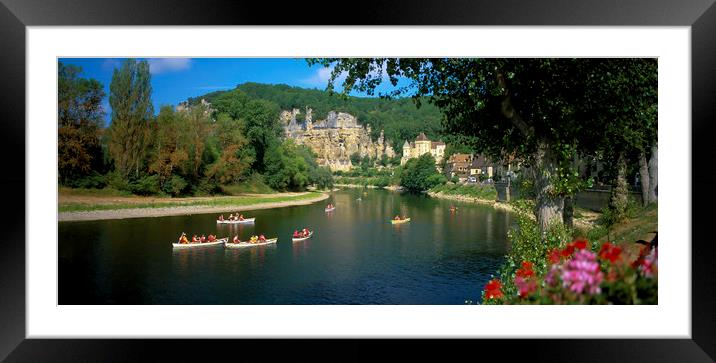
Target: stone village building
421	146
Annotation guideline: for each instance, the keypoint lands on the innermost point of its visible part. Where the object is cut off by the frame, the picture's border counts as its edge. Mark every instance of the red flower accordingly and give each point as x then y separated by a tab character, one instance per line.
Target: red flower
580	244
526	270
568	251
553	256
610	252
493	289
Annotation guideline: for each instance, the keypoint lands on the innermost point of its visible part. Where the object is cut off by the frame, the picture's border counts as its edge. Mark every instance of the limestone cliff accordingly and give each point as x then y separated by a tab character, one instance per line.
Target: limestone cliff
335	138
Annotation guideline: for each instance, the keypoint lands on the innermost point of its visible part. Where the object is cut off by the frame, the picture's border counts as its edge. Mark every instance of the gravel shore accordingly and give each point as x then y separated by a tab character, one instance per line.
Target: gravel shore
176	211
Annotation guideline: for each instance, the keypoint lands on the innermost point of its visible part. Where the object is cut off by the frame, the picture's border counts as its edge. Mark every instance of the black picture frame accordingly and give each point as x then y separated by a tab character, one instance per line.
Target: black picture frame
16	15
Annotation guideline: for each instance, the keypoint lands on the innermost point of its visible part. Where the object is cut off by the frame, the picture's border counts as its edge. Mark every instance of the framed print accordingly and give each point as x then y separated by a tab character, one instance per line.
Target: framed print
231	122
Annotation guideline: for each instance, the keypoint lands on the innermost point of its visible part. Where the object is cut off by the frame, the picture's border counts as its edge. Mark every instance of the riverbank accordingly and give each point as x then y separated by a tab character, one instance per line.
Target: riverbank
585	220
89	208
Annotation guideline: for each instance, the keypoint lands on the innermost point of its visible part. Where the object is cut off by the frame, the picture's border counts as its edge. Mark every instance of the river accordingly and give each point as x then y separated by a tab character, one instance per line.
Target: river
355	256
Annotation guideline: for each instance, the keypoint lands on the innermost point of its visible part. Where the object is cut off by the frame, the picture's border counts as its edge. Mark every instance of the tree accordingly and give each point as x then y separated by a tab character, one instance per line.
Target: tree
169	153
235	159
420	174
198	128
285	168
130	99
79	118
533	109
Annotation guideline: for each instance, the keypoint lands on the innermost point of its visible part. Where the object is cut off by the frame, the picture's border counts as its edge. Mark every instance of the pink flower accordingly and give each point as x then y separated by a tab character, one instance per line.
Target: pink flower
582	274
648	265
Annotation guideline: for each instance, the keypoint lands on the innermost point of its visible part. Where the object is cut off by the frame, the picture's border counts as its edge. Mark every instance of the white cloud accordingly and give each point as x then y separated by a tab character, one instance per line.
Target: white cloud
321	76
163	65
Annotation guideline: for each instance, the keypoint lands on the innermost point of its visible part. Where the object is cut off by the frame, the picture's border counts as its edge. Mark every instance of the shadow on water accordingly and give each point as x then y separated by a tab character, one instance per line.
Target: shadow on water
356	256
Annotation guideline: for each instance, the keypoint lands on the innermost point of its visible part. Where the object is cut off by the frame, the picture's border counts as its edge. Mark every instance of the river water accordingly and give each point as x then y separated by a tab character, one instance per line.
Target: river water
355	256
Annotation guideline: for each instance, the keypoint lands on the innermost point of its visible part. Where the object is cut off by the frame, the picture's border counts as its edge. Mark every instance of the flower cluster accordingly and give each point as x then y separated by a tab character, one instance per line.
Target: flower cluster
610	252
493	289
577	274
525	279
648	264
582	273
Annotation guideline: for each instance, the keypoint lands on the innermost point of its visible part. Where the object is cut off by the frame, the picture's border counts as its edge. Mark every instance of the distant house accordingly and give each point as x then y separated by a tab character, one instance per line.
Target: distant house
422	146
458	165
481	165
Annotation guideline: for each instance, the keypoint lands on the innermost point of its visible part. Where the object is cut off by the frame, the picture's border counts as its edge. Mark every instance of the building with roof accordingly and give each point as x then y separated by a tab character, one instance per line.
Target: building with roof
422	146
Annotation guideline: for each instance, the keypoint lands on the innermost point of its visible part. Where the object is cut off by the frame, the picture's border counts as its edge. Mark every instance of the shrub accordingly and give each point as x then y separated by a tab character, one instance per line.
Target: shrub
146	185
175	185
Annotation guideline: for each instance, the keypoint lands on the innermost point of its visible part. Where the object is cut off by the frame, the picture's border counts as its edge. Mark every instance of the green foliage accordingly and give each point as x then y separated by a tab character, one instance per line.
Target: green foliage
175	185
131	103
485	192
79	118
322	178
286	168
145	185
417	174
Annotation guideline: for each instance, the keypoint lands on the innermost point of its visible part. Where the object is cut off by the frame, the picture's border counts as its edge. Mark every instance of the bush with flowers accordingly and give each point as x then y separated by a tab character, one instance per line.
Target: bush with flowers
555	269
577	275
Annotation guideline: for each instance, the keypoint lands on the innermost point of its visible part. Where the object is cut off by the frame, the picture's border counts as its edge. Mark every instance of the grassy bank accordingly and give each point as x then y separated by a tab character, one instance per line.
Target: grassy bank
483	192
115	202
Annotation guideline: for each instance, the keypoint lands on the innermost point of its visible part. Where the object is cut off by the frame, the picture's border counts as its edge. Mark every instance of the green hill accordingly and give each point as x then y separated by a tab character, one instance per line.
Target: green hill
399	118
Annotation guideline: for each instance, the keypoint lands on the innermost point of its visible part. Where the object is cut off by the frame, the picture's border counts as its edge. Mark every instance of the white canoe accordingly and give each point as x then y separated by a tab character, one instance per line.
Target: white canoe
248	244
330	209
303	238
199	244
226	221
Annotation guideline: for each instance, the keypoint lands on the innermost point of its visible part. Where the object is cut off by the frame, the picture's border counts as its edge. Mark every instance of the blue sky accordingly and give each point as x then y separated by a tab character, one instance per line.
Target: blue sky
176	79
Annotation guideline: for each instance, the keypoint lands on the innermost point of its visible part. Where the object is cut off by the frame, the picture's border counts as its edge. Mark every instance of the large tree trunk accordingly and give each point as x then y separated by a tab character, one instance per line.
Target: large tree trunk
568	214
644	178
653	173
620	190
549	206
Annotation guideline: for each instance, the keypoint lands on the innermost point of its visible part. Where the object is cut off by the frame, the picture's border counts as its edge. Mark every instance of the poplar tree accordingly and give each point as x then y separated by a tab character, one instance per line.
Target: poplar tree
130	99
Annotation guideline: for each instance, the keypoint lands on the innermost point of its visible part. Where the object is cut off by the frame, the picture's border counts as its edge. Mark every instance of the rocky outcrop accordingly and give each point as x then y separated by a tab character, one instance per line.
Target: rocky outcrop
335	138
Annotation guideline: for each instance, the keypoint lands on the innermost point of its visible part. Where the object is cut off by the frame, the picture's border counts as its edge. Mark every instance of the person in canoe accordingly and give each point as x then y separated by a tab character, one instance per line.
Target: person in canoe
295	233
241	217
211	238
254	239
202	239
262	238
183	239
221	217
236	239
195	239
397	217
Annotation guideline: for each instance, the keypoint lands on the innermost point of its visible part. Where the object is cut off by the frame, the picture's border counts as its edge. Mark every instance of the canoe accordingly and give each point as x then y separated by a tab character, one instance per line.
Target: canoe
330	209
246	220
303	238
242	244
393	221
199	244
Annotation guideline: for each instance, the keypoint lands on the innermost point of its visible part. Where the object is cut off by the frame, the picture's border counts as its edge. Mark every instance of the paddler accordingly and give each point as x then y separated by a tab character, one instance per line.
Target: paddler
262	238
236	239
183	239
221	217
241	217
194	238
